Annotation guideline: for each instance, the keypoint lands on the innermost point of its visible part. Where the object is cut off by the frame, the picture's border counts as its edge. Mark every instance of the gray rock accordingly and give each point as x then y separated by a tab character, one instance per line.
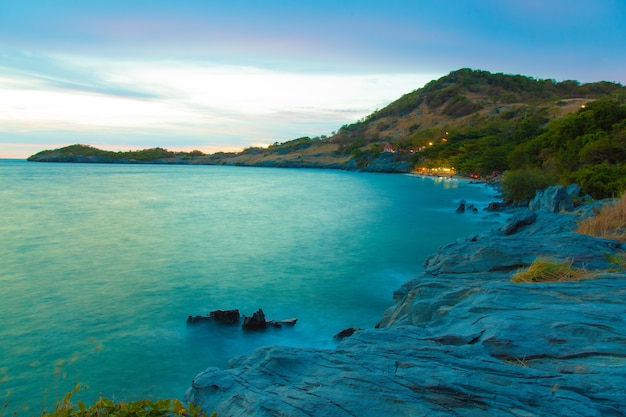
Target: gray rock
556	198
517	221
461	339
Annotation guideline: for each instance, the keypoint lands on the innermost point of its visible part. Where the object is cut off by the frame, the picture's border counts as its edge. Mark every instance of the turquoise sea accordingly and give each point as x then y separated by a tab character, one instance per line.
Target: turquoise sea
100	265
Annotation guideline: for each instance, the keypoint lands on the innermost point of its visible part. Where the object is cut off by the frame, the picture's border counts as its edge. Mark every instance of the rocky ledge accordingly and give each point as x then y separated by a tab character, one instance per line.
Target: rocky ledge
461	339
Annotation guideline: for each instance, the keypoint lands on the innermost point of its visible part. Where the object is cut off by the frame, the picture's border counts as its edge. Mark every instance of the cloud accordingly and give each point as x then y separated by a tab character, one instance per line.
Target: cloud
183	103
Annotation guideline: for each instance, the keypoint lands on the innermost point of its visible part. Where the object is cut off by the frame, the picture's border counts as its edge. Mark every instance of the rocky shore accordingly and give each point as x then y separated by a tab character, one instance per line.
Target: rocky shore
461	338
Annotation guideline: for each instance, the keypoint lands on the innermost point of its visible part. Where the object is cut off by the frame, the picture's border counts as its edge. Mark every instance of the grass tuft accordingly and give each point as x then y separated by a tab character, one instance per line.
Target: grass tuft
617	259
608	223
550	270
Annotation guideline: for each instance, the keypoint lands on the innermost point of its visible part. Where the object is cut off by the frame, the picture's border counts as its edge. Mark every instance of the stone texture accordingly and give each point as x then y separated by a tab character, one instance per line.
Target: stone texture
557	198
226	316
256	321
461	339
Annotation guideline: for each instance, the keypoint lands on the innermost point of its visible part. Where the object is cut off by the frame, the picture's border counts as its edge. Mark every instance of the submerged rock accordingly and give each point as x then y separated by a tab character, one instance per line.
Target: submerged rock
461	339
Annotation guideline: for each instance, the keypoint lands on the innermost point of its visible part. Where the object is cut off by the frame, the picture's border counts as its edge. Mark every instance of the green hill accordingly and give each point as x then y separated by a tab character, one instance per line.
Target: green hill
470	122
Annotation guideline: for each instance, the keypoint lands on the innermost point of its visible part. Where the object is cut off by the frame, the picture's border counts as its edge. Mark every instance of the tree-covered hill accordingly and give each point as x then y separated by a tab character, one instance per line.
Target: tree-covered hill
470	122
478	123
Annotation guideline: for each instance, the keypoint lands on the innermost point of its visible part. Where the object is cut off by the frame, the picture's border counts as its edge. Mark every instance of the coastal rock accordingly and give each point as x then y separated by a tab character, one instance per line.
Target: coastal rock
556	198
346	333
256	321
461	339
226	316
519	220
222	316
550	235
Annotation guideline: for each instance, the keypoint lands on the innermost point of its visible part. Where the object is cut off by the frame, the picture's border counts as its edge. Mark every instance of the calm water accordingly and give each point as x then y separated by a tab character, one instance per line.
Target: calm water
100	265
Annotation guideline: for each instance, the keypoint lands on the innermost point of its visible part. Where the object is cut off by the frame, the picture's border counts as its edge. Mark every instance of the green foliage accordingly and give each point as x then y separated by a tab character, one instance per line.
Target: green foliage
104	407
440	96
521	185
362	157
587	147
460	106
508	88
604	179
148	154
73	152
482	149
293	145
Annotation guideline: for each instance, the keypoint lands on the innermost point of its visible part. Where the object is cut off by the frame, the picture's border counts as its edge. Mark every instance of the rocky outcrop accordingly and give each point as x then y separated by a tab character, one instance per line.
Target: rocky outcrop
256	321
221	316
558	198
461	339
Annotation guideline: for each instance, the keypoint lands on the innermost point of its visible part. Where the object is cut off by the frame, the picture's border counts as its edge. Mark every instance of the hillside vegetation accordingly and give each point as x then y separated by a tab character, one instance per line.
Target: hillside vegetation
469	122
478	123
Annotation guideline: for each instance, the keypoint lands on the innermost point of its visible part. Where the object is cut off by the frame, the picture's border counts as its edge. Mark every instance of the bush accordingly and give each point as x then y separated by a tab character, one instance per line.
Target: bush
522	185
602	180
104	407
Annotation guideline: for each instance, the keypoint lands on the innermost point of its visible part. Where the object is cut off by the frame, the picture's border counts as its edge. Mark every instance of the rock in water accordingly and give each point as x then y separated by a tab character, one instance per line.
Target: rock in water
226	316
256	322
346	333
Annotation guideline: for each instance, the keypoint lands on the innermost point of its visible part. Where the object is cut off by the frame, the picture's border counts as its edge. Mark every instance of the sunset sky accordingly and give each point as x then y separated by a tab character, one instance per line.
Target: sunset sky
208	75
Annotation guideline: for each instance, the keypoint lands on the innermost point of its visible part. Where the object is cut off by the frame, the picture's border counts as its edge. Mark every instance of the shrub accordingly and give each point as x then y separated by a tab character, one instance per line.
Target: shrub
521	185
608	223
601	180
550	270
104	407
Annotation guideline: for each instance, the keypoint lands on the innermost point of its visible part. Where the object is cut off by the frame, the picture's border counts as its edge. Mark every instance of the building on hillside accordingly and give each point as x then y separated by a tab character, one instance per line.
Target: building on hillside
389	148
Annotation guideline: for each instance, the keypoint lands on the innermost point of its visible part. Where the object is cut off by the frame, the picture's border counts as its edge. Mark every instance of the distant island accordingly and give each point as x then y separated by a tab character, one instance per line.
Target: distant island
469	122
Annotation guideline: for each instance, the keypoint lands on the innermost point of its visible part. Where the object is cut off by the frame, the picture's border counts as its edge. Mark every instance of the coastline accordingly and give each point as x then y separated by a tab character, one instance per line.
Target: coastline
460	339
385	265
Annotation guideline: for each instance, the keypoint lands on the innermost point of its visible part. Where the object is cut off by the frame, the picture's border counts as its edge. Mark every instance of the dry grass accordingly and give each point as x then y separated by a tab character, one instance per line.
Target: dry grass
550	270
608	223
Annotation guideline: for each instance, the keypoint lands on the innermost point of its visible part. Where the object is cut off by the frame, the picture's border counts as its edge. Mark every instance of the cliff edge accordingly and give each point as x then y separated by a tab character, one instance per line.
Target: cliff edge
461	339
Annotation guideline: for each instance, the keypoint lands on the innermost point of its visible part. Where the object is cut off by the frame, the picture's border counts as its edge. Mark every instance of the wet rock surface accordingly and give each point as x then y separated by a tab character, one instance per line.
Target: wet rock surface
461	339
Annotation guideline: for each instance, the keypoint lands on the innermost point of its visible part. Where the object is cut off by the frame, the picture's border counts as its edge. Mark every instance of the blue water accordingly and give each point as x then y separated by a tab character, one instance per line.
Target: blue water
100	265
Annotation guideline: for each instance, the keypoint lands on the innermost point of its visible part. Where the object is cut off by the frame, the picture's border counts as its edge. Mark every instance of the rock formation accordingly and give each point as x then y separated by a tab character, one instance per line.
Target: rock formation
221	316
460	339
256	321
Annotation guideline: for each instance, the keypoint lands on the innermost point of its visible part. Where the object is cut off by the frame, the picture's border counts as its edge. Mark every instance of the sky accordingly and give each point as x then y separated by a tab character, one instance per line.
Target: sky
222	76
